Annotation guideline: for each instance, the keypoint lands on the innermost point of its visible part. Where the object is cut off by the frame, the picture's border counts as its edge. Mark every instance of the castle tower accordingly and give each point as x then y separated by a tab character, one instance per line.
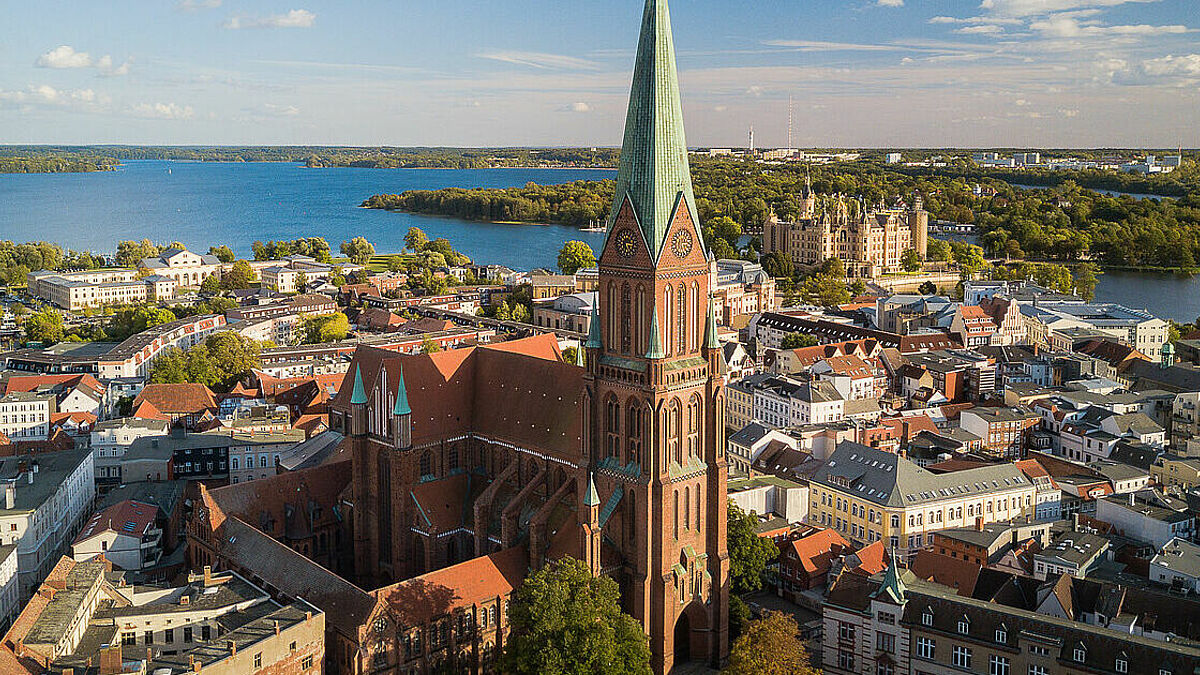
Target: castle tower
655	441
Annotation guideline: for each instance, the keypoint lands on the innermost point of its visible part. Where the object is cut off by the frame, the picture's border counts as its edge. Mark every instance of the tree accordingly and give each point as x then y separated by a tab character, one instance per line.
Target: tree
301	281
45	326
223	253
910	260
325	328
858	287
395	264
739	616
778	265
130	252
938	250
834	268
428	346
415	239
749	553
570	354
1085	281
968	256
240	275
927	288
358	249
566	621
825	290
520	313
211	284
797	340
770	646
574	256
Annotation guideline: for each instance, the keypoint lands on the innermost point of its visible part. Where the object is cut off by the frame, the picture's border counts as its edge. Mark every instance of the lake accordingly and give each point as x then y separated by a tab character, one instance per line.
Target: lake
1110	193
206	204
210	203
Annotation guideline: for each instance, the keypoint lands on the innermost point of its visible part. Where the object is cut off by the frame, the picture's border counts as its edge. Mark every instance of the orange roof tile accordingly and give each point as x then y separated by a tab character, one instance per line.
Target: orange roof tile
184	398
125	517
958	574
419	599
817	550
71	381
872	559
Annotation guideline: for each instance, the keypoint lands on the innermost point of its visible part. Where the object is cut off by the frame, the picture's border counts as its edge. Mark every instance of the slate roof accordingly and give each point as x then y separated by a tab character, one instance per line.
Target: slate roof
889	480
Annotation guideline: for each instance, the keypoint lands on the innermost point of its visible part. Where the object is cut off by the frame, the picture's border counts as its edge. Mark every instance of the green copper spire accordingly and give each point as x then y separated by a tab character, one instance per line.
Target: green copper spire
892	585
358	396
594	341
401	397
710	329
654	171
656	348
592	498
579	356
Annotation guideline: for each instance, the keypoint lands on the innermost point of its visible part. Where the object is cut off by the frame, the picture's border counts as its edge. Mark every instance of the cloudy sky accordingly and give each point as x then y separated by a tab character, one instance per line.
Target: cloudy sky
886	73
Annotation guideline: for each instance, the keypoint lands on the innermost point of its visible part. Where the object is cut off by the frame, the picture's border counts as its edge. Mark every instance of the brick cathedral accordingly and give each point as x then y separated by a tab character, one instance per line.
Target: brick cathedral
620	462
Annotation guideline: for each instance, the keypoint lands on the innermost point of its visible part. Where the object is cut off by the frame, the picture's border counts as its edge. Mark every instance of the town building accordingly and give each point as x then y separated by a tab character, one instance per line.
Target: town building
137	354
87	619
566	312
1137	328
869	241
10	586
187	269
741	288
75	291
294	273
1176	471
25	416
46	498
126	534
1006	432
1177	565
80	393
1150	516
111	438
870	495
895	622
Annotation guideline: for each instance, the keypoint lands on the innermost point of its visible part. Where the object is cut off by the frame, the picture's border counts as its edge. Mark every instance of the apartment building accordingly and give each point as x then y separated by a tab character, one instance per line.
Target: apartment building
870	495
25	416
741	288
111	438
1006	432
74	291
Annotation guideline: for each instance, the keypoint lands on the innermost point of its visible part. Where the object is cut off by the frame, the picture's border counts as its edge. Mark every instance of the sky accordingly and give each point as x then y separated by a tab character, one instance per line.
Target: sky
850	73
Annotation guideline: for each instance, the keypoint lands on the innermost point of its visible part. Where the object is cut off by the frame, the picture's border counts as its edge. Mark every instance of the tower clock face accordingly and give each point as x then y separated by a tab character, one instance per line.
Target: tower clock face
626	243
681	243
381	625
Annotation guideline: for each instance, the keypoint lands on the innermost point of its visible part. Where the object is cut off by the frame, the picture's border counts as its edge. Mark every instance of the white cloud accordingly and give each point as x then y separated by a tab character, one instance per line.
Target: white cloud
64	56
577	107
1033	8
281	110
980	29
890	3
197	5
45	95
1168	66
296	18
162	111
1063	26
541	60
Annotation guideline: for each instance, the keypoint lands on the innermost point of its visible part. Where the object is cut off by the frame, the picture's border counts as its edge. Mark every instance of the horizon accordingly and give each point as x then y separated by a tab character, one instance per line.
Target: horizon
870	74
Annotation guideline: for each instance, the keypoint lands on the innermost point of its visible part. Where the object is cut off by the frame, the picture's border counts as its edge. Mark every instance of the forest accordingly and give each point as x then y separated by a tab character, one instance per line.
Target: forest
54	163
1064	223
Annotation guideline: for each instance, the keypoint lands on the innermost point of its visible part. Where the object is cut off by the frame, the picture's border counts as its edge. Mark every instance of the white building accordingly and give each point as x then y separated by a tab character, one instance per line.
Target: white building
1148	515
1177	565
46	498
765	495
135	356
96	288
111	438
10	589
125	533
183	266
25	416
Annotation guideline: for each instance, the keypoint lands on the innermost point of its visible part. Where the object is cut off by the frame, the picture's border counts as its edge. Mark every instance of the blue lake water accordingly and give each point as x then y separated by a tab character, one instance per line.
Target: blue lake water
204	204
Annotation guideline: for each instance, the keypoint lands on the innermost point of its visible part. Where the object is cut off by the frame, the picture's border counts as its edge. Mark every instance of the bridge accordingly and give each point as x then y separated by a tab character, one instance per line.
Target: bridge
515	328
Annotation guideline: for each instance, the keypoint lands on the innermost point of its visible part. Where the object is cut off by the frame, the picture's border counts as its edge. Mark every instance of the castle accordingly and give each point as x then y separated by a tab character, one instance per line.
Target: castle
472	467
868	241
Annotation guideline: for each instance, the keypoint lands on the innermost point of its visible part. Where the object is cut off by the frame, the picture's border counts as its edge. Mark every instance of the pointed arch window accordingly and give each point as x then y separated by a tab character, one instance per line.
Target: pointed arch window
666	320
687	508
633	432
675	520
682	337
626	320
612	427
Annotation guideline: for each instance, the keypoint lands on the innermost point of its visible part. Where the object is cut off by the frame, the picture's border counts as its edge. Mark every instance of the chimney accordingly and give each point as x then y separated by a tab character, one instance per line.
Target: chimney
276	625
29	475
1075	521
10	495
110	660
232	645
184	600
207	575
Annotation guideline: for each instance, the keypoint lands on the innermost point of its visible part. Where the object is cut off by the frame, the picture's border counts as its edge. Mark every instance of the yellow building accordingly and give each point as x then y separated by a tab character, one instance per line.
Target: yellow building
869	495
1181	471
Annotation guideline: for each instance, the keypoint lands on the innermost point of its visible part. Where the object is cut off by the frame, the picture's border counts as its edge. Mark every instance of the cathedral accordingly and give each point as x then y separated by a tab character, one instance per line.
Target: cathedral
617	460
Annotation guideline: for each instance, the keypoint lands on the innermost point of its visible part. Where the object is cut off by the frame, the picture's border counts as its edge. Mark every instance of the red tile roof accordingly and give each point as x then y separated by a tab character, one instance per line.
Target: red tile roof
958	574
178	399
284	500
128	517
148	411
66	382
816	551
419	599
872	559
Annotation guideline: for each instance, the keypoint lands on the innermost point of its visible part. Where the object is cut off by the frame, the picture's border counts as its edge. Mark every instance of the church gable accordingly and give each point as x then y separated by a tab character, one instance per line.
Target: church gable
684	242
626	244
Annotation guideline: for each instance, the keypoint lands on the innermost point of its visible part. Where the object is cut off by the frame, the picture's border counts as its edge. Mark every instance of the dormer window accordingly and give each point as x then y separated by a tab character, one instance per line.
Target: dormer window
1080	654
964	625
1002	634
927	617
1122	664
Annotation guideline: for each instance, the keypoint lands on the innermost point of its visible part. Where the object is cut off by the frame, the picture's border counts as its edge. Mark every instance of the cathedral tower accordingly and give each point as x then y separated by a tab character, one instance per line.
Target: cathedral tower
655	443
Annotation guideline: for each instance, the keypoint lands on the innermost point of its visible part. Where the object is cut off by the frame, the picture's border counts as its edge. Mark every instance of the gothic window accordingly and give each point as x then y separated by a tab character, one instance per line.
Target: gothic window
630	515
626	320
682	319
675	432
687	508
426	464
610	336
697	315
693	429
666	321
699	501
639	324
612	426
675	520
633	432
453	460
